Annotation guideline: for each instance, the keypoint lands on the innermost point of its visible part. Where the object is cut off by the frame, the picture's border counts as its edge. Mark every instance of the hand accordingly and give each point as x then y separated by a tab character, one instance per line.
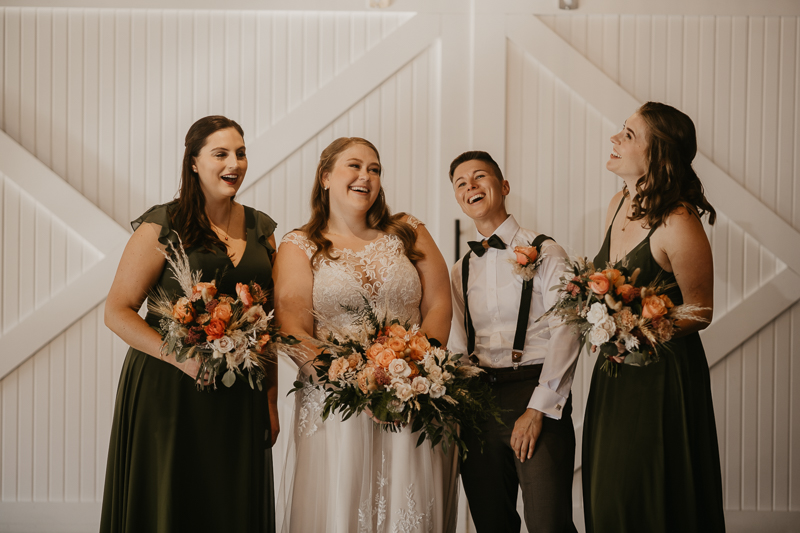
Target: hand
526	432
274	423
616	358
191	367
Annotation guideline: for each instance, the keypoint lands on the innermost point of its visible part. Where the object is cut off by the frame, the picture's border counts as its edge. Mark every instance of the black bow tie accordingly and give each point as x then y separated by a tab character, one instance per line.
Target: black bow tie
480	247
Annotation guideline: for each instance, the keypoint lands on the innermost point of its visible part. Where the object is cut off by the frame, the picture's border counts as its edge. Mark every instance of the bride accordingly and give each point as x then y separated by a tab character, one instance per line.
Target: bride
351	476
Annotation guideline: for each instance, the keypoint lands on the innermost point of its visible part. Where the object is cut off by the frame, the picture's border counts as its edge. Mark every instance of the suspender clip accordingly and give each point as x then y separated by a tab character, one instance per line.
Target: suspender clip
516	357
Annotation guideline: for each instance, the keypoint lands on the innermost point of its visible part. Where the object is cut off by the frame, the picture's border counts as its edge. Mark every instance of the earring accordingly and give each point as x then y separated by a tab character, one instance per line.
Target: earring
194	169
325	188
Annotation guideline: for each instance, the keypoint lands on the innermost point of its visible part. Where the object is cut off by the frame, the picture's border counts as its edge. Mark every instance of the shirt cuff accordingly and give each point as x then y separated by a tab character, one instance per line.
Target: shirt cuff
547	401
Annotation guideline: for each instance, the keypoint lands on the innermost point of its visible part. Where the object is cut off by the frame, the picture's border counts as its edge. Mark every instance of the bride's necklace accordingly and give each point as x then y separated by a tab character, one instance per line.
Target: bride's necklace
228	227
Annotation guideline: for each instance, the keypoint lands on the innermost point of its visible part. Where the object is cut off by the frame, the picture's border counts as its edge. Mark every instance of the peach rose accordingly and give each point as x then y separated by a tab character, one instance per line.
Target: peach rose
599	283
525	254
614	276
204	290
222	312
395	343
419	345
374	350
366	380
385	358
354	359
396	330
215	329
337	368
243	292
653	307
627	292
183	311
667	301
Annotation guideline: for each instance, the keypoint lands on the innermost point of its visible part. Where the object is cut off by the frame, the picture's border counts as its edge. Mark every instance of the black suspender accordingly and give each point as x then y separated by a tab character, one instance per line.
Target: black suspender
524	308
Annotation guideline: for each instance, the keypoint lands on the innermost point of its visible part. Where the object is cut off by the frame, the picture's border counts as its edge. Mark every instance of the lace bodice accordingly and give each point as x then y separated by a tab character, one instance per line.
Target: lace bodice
380	272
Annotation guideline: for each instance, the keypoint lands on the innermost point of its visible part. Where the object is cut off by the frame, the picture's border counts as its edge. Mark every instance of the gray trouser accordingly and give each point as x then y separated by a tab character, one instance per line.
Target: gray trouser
491	478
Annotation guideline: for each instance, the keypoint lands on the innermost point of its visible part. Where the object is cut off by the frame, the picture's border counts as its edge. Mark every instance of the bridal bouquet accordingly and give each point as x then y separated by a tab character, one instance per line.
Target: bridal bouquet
224	332
392	371
616	316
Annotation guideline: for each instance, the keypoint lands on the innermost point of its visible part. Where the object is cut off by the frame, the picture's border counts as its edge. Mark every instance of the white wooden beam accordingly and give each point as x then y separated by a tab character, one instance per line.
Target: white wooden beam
343	92
613	102
99	230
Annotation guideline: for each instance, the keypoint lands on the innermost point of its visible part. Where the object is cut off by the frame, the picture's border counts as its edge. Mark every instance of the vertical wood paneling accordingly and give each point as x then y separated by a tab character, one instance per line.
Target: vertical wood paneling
782	418
25	432
786	118
41	421
794	409
11	270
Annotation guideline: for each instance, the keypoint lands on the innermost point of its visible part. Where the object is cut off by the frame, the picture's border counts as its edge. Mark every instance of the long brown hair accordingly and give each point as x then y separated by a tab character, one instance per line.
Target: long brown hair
188	216
378	216
670	179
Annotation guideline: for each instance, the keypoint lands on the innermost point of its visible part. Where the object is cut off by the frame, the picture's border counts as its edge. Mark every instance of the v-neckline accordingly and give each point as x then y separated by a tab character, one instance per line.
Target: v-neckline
246	241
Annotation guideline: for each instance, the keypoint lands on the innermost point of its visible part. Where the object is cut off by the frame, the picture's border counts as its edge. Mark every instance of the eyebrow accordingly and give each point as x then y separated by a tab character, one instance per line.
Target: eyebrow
625	126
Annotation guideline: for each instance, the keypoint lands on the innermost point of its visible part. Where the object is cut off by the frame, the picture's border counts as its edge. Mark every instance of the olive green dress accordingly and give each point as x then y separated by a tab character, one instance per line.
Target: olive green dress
184	460
650	453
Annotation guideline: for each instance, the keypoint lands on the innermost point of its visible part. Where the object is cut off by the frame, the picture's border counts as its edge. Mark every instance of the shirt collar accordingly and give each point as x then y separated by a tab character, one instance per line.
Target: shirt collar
506	231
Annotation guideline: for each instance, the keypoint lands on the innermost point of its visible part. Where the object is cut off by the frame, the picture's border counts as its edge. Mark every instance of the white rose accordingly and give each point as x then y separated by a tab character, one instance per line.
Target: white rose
437	390
434	373
403	391
597	313
399	368
446	376
224	344
609	325
599	336
420	385
235	357
254	314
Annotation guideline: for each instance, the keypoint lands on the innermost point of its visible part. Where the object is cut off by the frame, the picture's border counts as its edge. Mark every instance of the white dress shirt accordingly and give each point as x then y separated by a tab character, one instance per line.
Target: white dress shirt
494	293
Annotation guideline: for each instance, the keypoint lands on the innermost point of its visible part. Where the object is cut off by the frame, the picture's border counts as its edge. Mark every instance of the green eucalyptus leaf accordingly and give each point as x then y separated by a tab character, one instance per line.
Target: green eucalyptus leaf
229	378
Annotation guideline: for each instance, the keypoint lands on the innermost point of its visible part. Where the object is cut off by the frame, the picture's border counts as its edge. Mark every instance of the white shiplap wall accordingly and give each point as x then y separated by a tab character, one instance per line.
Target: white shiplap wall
103	97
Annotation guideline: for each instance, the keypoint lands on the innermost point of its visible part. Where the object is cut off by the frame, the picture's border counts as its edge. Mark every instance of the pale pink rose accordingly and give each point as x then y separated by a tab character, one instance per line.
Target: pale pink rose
525	255
338	367
204	290
385	358
437	390
183	311
399	368
243	292
224	344
403	391
420	385
254	314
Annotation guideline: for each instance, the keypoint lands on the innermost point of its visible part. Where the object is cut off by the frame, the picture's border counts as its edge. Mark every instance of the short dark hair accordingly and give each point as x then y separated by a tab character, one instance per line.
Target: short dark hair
480	156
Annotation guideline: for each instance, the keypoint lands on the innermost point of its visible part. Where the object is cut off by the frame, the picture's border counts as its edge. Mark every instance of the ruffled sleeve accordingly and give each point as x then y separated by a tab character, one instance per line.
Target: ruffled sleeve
264	226
413	221
159	214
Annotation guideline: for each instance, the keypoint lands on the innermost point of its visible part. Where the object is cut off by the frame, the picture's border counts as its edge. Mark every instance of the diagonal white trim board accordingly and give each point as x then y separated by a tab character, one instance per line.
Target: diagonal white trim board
87	220
59	197
348	87
611	100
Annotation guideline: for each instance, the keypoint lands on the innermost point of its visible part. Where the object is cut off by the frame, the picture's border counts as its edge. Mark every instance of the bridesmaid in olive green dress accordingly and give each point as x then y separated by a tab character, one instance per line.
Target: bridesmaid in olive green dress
180	459
650	453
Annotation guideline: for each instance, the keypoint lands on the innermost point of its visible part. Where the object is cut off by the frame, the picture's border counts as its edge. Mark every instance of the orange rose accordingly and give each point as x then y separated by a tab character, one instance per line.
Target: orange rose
374	350
222	312
419	345
653	307
667	301
385	358
396	330
525	254
395	343
627	292
215	329
599	283
243	292
261	344
183	311
204	290
614	276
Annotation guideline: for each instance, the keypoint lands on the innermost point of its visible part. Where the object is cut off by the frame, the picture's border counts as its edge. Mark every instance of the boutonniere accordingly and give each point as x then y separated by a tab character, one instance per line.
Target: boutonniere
526	261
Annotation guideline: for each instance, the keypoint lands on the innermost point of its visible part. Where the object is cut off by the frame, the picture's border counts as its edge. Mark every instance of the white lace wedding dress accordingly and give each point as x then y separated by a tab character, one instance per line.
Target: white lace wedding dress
350	476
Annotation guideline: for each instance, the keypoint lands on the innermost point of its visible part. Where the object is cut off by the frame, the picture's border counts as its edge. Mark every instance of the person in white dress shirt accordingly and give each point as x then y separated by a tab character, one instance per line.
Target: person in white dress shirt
530	365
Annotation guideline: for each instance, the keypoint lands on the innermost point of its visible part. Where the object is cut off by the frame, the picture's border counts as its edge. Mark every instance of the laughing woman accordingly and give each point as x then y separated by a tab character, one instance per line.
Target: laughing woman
650	453
180	459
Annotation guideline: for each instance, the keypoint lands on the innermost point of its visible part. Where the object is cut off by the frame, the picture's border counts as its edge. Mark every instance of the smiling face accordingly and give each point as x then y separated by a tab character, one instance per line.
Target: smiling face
481	194
628	158
355	180
221	164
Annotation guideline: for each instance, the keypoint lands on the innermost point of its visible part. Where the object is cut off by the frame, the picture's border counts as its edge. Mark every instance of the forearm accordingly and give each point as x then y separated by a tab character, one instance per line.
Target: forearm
131	328
436	322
